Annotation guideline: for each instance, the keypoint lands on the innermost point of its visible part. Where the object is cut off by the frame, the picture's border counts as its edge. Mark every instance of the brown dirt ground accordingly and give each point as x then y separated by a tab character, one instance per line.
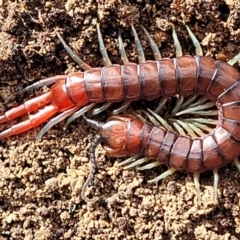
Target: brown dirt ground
40	184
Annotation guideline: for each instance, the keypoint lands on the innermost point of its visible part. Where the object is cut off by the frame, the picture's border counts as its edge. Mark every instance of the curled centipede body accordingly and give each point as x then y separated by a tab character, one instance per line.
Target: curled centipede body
124	135
183	76
148	80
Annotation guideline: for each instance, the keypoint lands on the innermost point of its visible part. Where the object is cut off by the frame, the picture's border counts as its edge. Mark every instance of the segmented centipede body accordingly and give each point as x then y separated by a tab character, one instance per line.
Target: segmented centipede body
148	80
124	135
184	75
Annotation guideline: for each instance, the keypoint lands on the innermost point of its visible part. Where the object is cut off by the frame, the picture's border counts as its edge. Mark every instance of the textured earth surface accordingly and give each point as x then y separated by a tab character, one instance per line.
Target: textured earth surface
40	183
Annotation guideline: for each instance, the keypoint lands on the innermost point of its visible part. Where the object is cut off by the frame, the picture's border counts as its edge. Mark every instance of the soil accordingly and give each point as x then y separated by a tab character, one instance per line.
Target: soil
40	183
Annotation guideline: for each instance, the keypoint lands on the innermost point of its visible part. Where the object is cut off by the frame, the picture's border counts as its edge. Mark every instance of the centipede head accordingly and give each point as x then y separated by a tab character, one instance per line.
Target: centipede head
113	133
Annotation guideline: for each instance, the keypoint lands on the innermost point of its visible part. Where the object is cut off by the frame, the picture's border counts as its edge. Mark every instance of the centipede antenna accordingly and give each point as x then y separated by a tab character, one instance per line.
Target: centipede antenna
195	110
161	104
176	42
79	113
149	166
106	59
93	124
215	184
43	82
178	105
157	54
163	175
56	120
90	177
138	162
234	60
122	108
122	49
196	177
237	164
141	56
196	43
102	108
74	56
129	160
161	120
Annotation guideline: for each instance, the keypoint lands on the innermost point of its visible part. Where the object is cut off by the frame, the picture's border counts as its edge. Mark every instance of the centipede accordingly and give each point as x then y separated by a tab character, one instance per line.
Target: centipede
124	135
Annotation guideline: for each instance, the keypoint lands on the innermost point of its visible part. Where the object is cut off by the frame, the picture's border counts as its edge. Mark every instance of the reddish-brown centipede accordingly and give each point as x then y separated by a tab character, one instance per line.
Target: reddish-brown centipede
81	91
183	75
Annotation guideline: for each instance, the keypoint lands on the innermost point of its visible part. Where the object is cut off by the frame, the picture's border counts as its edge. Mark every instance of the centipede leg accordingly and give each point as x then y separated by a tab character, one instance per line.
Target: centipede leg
160	119
215	184
150	117
177	105
106	59
196	43
196	177
196	110
141	56
122	108
234	60
161	104
122	49
135	162
190	126
163	175
74	56
157	54
237	164
129	160
139	116
138	162
189	101
56	120
149	166
102	108
180	125
79	113
196	126
176	43
44	82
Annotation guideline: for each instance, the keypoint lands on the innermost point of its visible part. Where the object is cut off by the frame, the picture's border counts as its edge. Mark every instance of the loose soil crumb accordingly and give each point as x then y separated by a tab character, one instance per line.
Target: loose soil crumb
40	183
